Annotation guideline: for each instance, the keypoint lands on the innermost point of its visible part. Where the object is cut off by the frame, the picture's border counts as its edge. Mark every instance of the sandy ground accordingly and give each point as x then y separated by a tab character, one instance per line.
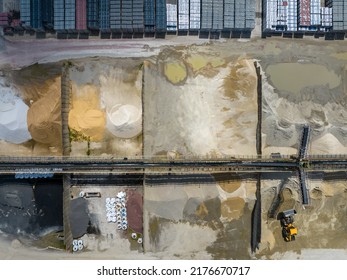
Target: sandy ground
16	250
199	104
17	54
178	214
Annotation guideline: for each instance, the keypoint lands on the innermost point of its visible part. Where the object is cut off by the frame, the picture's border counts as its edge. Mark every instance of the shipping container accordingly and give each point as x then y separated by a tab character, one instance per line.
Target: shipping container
70	14
250	10
160	15
326	17
138	16
25	7
206	14
36	14
104	14
229	14
340	15
240	14
183	14
47	12
195	15
127	16
217	14
81	14
271	14
171	14
304	13
93	14
282	13
59	14
115	14
149	15
292	20
4	19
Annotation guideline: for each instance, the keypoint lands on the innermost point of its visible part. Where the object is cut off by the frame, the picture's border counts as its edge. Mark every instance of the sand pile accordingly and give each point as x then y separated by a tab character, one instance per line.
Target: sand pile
328	144
44	117
124	121
86	115
13	116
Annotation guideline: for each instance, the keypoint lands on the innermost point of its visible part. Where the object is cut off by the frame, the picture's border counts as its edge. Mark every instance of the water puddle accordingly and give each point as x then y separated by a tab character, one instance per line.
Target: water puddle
294	77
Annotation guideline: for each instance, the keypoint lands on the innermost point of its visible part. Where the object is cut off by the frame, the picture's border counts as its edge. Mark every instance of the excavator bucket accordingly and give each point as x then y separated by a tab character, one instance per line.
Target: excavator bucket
288	213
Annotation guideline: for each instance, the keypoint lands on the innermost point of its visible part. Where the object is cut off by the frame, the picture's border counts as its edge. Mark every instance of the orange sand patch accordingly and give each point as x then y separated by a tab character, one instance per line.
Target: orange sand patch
86	115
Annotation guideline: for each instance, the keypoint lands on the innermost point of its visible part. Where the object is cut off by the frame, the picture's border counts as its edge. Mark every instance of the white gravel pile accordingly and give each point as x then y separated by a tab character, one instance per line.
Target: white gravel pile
13	117
124	121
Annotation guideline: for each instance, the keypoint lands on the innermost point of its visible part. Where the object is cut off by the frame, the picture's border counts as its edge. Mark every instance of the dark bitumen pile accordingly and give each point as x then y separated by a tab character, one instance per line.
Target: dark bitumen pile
30	207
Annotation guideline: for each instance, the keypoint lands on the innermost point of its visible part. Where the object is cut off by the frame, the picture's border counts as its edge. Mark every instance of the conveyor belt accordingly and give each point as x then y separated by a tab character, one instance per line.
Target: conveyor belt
61	165
304	142
304	191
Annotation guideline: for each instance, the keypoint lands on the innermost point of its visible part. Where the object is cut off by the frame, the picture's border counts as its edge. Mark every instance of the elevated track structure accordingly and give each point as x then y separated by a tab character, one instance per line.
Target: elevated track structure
303	162
88	165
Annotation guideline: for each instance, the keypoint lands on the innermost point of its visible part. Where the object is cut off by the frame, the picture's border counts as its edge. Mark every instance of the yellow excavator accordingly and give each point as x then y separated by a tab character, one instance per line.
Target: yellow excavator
289	231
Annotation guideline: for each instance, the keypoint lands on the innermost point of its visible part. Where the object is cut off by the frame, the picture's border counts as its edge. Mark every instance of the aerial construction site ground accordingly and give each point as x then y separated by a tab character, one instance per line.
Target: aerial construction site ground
185	97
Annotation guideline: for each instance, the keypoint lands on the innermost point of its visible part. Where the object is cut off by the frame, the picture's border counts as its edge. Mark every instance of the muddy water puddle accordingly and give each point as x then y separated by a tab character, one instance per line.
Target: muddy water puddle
294	77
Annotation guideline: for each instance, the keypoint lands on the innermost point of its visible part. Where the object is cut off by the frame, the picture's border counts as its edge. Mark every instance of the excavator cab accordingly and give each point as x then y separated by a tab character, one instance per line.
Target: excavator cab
289	231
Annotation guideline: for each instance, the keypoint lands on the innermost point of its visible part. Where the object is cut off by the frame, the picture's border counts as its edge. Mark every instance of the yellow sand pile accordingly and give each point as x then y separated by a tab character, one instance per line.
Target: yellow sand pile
44	116
86	115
